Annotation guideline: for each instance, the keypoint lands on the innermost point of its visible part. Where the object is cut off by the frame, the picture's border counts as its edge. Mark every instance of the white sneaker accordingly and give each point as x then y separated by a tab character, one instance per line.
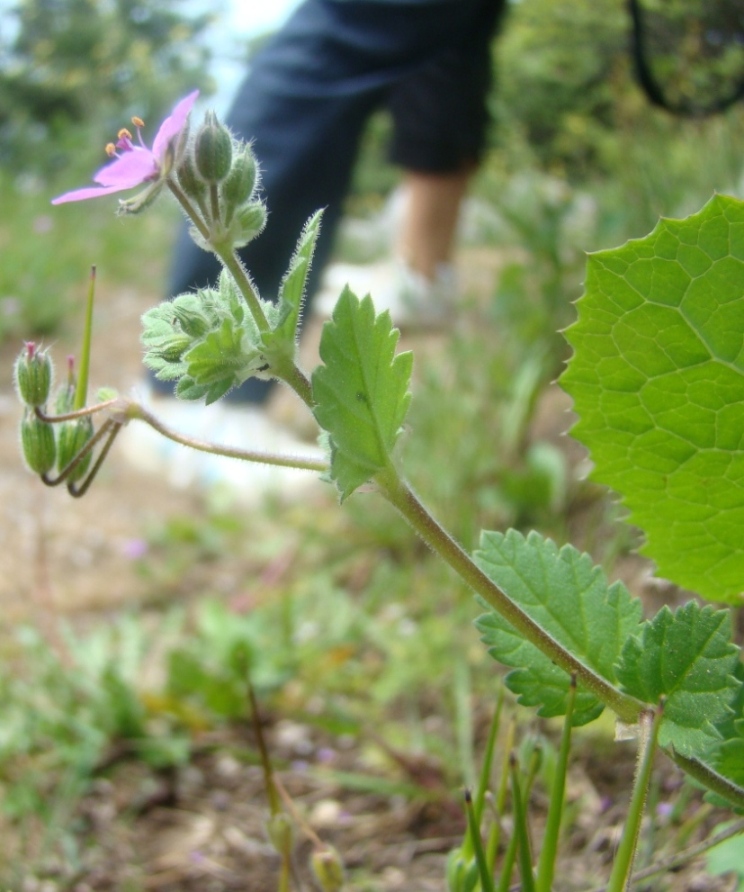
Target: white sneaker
413	300
227	424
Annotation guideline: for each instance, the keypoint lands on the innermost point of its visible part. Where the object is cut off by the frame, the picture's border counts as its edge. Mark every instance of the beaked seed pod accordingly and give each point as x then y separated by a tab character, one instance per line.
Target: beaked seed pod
38	444
33	375
213	150
72	436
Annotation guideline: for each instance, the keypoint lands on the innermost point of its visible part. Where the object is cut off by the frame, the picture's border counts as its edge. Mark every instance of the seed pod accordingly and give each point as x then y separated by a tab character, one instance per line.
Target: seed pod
328	869
73	435
213	150
38	444
33	375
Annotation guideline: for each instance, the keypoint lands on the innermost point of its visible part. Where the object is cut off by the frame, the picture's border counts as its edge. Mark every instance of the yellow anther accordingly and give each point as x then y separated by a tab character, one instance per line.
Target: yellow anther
110	149
138	122
124	134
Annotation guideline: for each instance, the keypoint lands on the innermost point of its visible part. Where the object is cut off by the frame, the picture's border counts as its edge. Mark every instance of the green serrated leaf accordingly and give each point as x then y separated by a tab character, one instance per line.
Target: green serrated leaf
571	599
362	392
292	289
689	658
223	359
657	381
280	343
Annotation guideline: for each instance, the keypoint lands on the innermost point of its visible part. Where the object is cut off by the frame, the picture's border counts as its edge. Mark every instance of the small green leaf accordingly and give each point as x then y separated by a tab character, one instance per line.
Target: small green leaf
657	379
223	359
688	657
280	343
571	599
362	392
292	289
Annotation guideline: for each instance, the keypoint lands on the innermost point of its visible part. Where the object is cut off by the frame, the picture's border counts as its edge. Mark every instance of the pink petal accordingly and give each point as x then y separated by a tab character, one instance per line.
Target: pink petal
87	192
173	125
130	169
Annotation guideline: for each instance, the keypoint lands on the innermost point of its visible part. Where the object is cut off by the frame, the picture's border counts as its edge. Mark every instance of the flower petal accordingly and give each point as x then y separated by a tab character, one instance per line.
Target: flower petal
173	125
87	192
130	169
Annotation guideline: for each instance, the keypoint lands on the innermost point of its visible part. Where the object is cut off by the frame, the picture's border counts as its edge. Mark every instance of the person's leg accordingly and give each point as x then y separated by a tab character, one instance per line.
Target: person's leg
431	213
304	105
441	118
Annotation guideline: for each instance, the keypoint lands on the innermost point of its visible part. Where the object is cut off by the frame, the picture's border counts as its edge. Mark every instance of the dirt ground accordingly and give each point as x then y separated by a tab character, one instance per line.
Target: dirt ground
203	826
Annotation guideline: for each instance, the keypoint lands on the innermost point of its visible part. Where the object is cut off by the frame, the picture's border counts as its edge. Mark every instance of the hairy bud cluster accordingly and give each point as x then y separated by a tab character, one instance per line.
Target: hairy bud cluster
221	176
48	446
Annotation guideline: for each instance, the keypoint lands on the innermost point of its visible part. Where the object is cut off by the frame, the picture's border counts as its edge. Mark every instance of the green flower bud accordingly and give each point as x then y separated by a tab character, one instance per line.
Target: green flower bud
64	399
33	375
191	316
72	436
248	223
281	832
328	869
240	183
38	444
213	150
188	178
173	347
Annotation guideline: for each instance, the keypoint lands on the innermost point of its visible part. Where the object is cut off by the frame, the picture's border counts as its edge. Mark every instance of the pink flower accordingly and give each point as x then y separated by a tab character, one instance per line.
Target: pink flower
133	164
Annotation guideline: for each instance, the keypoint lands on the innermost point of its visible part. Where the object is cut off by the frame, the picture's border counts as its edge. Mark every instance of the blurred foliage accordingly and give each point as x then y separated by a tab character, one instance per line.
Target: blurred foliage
69	63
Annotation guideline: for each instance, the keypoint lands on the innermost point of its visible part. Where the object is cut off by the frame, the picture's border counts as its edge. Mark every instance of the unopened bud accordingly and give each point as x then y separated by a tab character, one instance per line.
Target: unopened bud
213	150
248	222
33	375
188	178
37	442
192	318
328	869
240	183
281	832
173	347
73	435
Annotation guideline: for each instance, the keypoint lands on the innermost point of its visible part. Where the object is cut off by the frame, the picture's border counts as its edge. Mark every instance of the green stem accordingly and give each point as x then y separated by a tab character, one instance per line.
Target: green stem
521	830
477	845
620	878
232	264
135	410
679	859
549	848
710	778
627	708
81	390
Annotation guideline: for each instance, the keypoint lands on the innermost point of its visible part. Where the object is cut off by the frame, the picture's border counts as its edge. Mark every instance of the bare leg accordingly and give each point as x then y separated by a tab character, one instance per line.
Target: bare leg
432	209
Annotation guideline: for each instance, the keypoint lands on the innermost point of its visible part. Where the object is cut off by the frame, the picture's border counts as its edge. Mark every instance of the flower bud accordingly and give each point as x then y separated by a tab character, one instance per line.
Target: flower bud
248	223
281	832
173	347
33	375
191	316
240	183
37	442
213	150
73	435
328	869
188	178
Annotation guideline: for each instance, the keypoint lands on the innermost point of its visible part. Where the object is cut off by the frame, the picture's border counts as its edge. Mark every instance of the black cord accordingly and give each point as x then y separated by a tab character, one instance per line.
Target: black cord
652	88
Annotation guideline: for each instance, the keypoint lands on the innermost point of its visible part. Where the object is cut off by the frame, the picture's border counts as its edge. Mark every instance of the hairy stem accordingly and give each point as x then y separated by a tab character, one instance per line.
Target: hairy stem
135	410
403	499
